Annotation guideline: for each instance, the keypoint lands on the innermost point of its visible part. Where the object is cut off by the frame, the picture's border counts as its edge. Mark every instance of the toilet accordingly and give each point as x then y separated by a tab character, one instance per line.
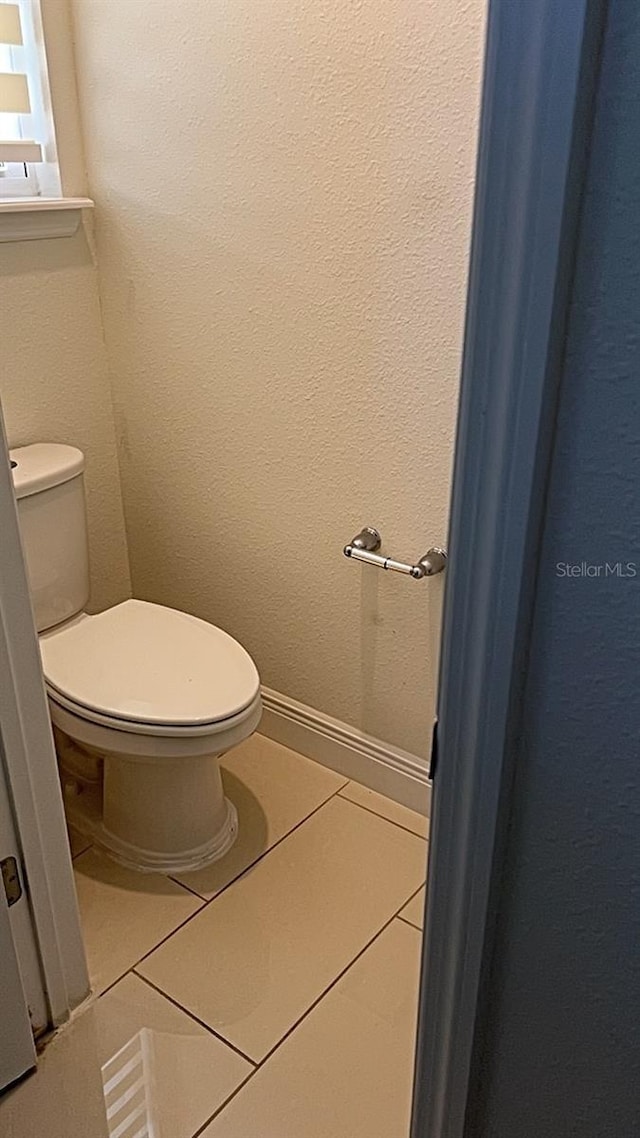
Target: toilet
143	699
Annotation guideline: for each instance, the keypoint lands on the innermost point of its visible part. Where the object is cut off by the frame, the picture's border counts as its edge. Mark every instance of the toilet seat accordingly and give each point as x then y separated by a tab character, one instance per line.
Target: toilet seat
146	669
59	704
160	744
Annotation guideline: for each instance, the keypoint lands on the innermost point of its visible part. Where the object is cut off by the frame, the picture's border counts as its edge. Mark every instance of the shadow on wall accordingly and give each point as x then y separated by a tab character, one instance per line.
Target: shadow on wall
53	256
284	326
423	625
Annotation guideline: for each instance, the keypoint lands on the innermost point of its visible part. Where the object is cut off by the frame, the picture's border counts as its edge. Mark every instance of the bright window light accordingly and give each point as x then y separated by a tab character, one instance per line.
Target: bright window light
28	161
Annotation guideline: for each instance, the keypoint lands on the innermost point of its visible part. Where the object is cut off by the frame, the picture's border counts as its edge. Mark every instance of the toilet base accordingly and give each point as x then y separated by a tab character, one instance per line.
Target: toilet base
151	812
83	813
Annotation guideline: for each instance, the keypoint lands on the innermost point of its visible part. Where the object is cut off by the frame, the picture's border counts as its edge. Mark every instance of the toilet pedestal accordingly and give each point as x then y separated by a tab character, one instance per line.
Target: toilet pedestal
168	815
162	815
155	803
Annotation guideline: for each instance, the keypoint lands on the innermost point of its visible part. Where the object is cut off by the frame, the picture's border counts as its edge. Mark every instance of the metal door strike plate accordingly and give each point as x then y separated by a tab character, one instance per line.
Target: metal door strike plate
11	879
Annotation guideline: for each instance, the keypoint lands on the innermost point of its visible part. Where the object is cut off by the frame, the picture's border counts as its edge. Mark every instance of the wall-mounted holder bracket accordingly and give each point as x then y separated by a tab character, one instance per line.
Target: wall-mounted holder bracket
365	545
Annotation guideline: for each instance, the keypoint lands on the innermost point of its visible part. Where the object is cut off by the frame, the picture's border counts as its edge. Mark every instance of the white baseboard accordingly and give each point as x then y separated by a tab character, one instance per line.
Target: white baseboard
345	749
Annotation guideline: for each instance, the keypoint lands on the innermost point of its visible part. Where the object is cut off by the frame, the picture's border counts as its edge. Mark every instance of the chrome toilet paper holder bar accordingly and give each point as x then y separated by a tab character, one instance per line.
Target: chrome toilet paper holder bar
365	545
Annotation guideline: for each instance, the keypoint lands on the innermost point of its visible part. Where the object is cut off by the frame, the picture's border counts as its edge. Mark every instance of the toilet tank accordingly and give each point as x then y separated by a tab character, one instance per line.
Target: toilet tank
49	486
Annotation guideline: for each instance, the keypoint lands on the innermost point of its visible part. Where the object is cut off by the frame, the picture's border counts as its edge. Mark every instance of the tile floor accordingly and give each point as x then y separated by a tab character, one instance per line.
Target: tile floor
273	995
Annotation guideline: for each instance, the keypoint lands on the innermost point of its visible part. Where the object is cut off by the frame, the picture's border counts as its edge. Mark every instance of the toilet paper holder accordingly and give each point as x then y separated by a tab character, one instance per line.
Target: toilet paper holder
365	545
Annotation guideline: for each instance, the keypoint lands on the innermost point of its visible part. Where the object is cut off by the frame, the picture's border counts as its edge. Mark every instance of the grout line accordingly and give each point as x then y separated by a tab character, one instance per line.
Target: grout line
220	1108
133	967
384	817
188	888
334	982
205	903
234	880
259	1065
411	925
135	964
191	1015
423	886
260	857
99	995
202	907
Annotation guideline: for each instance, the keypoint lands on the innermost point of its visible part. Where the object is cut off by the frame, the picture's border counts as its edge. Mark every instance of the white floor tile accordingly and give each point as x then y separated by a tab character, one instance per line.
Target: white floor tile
258	956
131	1041
414	911
124	914
273	790
387	808
346	1071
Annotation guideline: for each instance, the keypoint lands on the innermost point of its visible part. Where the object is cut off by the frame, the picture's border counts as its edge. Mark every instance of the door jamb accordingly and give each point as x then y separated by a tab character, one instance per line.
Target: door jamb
539	82
32	774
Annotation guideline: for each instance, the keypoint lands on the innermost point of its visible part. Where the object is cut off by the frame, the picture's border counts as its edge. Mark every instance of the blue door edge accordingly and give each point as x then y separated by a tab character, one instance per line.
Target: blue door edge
541	66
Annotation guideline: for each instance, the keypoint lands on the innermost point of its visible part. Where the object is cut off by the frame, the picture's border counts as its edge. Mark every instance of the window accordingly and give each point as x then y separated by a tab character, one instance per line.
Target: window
28	162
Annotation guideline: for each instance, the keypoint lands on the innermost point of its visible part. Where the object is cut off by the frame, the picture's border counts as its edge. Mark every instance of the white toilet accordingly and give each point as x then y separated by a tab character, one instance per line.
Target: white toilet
144	699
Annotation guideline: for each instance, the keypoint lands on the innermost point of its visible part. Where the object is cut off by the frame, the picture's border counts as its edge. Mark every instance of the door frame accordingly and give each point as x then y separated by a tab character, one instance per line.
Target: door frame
32	775
540	76
17	1049
23	932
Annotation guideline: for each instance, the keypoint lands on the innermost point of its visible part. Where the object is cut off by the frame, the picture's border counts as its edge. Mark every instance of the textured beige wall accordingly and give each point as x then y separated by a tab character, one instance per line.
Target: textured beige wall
53	368
284	191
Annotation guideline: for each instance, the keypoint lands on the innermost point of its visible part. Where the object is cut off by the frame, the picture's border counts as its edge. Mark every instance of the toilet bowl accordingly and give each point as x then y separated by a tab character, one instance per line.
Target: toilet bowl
155	697
144	699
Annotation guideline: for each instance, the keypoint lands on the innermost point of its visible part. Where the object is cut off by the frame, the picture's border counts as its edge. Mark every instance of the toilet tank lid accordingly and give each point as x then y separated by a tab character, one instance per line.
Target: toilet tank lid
43	465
